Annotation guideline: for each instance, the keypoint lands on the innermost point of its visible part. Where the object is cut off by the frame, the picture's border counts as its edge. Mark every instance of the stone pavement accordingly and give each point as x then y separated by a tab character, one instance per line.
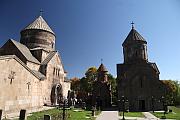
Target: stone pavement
149	116
132	118
108	115
113	115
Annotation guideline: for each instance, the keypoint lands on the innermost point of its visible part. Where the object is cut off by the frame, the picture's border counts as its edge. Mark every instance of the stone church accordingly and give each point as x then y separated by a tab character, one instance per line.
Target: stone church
102	88
32	73
137	78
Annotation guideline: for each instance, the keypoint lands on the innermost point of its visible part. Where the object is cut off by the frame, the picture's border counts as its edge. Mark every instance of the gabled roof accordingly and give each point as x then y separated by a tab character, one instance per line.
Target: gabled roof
39	23
154	66
25	51
40	75
102	68
35	73
133	36
48	58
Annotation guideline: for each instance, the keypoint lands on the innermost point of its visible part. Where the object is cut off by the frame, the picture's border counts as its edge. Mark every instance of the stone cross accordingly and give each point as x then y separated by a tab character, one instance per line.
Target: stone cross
101	60
132	23
11	76
41	12
64	110
28	83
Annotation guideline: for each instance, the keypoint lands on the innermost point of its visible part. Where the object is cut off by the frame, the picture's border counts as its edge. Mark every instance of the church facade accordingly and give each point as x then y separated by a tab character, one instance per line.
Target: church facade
137	78
32	72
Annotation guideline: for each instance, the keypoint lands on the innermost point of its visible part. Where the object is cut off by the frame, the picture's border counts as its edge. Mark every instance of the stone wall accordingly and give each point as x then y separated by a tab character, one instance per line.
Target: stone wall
66	87
23	92
139	82
39	54
38	38
33	66
55	75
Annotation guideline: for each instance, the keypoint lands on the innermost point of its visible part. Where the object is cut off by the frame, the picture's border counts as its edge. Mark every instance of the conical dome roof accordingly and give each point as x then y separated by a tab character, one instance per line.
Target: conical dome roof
102	68
133	36
39	24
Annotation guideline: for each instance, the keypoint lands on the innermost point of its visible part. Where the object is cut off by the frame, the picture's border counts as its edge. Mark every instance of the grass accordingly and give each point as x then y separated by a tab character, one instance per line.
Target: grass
132	114
173	115
72	115
84	115
40	115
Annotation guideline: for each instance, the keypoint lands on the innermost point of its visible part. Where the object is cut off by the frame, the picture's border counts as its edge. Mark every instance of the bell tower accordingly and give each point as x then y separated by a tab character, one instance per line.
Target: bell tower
134	47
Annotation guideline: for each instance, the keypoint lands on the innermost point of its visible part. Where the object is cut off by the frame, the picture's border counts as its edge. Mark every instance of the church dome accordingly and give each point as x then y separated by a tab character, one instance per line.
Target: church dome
38	34
39	24
134	36
102	68
134	48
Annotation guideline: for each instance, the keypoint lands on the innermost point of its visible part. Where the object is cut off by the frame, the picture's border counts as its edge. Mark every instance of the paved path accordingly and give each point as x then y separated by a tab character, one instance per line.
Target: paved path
113	115
108	115
150	116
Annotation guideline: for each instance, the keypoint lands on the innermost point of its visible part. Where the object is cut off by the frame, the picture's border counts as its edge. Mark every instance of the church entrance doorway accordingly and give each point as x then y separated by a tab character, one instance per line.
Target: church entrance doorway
141	105
56	95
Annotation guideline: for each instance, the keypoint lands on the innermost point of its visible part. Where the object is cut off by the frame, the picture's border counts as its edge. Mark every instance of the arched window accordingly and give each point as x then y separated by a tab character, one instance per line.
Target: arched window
52	44
54	71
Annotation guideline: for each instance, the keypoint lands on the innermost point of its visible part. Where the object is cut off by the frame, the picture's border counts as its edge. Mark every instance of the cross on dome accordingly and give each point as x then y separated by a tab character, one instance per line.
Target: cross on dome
132	23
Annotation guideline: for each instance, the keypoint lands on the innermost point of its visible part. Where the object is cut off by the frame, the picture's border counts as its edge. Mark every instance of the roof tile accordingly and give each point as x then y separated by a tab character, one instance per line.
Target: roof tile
133	36
39	23
25	51
102	68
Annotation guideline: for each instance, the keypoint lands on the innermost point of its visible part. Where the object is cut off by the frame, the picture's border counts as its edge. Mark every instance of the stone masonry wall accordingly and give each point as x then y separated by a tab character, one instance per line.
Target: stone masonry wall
23	92
55	75
33	66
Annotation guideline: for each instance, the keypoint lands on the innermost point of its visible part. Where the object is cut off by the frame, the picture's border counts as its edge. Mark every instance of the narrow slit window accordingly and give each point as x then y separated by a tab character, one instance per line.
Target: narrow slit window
141	83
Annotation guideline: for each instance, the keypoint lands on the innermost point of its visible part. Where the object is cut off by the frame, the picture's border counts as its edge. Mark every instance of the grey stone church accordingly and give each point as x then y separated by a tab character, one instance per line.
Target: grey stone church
137	78
31	71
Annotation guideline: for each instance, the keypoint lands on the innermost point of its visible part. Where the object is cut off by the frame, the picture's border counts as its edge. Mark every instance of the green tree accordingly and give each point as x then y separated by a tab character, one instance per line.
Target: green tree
112	82
90	76
75	84
91	73
177	97
172	91
84	86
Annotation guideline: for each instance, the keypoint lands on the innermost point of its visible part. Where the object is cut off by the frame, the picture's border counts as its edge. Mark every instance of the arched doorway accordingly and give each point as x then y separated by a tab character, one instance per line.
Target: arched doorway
56	94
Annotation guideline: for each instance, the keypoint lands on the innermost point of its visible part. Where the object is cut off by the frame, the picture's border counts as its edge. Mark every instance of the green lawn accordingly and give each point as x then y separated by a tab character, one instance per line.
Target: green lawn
40	115
83	115
71	114
132	114
174	115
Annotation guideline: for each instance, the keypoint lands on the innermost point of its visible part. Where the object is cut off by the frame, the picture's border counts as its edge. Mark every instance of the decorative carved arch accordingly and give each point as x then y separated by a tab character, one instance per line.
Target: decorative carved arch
56	94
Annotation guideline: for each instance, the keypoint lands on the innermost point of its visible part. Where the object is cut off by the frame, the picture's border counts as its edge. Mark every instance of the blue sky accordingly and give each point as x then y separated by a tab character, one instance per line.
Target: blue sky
88	30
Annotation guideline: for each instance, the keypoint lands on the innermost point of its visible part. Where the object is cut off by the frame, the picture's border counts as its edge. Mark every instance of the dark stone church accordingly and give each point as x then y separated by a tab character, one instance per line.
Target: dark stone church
102	89
137	78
